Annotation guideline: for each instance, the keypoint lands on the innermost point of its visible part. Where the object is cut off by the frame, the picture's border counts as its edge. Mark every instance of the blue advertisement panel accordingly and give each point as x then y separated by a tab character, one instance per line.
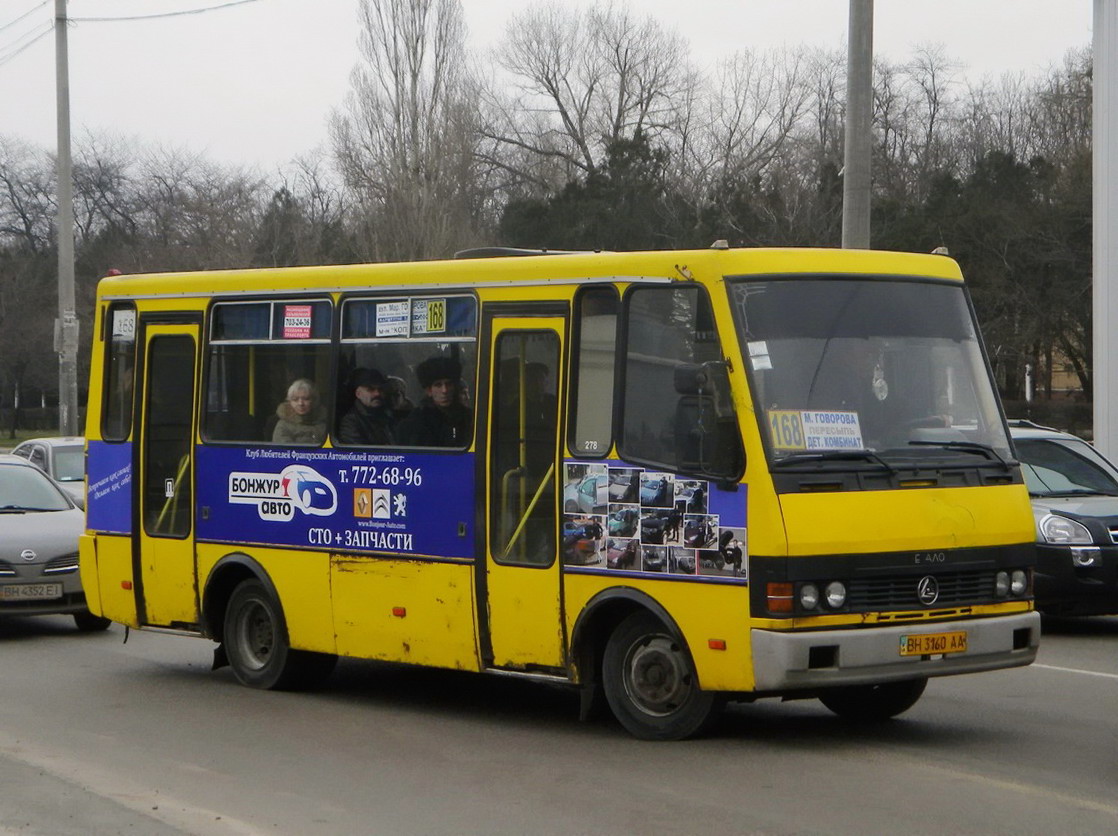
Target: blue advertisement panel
338	500
108	504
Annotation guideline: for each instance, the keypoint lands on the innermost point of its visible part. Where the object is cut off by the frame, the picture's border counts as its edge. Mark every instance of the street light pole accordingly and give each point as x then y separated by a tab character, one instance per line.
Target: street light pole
66	327
859	100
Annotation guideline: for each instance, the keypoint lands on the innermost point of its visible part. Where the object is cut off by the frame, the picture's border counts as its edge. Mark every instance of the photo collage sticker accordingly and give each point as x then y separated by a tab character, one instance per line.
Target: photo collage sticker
637	520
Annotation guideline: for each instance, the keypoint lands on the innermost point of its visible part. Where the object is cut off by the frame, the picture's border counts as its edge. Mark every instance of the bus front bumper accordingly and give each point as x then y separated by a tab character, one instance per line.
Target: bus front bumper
787	661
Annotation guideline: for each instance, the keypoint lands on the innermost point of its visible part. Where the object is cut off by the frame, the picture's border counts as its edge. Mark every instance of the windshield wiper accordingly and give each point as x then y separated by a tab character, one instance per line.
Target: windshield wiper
822	456
965	447
1058	494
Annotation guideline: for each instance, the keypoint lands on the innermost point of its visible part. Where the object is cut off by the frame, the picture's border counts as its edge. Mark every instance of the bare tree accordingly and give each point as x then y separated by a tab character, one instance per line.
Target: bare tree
585	79
27	206
405	141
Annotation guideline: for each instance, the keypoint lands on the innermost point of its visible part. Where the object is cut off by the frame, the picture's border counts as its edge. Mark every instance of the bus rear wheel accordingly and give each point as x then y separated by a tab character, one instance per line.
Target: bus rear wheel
650	682
256	643
87	622
873	703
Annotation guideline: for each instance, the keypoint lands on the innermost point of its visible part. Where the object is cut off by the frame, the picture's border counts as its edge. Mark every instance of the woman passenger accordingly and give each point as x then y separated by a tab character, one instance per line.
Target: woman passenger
302	418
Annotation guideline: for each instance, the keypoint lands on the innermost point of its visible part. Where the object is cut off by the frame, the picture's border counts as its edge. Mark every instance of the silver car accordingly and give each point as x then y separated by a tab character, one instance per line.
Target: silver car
39	530
63	459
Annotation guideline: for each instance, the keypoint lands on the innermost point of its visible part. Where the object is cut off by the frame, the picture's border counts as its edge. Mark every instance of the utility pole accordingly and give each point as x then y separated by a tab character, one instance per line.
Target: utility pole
859	100
66	326
1104	149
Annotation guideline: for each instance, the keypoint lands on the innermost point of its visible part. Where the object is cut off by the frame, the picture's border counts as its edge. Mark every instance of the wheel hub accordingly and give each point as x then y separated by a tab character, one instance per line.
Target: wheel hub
657	676
258	634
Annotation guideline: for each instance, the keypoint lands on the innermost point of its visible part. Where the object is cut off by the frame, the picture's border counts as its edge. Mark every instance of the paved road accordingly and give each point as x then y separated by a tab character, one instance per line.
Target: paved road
102	737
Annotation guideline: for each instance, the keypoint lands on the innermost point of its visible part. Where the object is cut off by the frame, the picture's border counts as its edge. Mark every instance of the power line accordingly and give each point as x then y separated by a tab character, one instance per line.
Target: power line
12	23
13	49
162	14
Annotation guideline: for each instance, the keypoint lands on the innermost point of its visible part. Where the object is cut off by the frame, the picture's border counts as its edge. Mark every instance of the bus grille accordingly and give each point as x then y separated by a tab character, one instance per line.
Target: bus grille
893	593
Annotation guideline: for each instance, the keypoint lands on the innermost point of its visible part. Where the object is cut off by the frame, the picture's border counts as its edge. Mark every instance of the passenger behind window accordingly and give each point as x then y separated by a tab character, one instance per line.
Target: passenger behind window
398	398
371	419
440	420
302	419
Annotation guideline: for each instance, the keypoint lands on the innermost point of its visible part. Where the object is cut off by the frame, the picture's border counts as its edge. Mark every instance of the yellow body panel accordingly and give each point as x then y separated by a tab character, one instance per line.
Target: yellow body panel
702	612
702	265
302	579
917	519
404	611
106	568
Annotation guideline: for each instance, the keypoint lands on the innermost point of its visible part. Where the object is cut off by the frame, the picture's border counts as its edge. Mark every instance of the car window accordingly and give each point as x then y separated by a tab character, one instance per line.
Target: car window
69	464
23	488
1059	466
38	457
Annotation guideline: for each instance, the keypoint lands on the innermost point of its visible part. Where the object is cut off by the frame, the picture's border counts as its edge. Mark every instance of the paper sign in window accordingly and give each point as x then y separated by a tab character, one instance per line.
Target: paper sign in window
428	316
392	319
831	430
296	322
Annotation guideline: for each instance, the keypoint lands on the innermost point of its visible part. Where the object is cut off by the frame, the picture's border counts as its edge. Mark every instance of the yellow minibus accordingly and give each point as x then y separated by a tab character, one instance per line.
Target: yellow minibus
670	479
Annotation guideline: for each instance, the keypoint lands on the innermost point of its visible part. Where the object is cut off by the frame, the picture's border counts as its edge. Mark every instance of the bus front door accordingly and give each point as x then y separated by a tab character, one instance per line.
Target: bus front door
521	583
166	588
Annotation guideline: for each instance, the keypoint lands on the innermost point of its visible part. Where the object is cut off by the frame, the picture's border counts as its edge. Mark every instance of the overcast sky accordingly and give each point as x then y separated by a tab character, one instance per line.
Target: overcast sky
254	84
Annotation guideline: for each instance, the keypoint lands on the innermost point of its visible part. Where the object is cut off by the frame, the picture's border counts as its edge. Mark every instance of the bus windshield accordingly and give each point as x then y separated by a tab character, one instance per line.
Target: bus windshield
890	367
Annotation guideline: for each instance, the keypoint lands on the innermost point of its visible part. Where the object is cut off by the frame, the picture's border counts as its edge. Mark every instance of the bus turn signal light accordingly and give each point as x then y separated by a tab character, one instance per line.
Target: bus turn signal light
778	597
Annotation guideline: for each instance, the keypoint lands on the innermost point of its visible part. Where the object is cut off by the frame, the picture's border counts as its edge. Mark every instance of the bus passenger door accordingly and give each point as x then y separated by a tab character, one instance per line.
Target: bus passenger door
522	603
166	584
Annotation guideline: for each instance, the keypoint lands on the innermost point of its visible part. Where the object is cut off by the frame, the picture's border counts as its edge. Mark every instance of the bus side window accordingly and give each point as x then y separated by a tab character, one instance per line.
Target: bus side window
257	350
667	420
120	364
592	372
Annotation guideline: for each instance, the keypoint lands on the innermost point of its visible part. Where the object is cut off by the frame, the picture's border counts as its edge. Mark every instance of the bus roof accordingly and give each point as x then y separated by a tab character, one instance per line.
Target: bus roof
705	265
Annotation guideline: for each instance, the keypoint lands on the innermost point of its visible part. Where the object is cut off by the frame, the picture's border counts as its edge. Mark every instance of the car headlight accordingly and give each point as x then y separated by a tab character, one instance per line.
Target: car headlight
1018	583
836	594
1062	531
809	596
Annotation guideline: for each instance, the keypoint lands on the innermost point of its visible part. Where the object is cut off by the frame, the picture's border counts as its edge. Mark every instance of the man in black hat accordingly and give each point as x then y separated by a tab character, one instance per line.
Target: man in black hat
370	420
440	420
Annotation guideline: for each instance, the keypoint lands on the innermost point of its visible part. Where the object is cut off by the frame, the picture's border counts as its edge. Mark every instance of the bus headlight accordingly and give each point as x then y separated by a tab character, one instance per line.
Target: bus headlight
809	596
836	594
1062	531
1001	584
1018	583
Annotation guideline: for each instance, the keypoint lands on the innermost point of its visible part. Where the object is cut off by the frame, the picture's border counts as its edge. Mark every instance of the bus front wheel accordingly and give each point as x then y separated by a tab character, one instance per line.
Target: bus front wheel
651	684
871	703
256	643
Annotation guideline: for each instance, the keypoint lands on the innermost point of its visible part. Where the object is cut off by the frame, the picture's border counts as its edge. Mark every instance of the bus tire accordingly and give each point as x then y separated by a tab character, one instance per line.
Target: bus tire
650	682
874	703
255	639
87	622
